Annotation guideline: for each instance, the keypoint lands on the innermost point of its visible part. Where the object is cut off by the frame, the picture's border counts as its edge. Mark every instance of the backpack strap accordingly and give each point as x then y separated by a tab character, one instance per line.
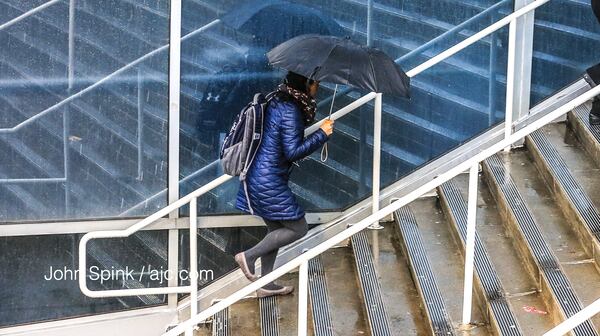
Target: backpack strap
257	98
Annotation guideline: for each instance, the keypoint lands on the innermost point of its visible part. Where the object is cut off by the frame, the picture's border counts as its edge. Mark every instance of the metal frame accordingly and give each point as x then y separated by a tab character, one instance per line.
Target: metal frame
204	222
173	152
524	27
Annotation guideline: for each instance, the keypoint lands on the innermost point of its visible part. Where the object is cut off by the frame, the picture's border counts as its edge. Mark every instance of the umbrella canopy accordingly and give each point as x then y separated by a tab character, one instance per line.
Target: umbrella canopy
274	21
339	60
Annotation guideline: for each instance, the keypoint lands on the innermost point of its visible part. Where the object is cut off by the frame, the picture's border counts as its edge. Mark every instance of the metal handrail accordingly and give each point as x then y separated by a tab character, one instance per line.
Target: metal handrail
387	210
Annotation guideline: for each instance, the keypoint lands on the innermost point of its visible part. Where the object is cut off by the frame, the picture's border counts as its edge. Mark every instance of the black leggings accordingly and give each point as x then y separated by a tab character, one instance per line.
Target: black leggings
280	233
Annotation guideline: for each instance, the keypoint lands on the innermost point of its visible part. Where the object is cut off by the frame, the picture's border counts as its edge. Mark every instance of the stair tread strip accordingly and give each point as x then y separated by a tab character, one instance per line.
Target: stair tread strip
588	135
547	262
220	323
567	182
377	316
485	271
423	275
582	113
319	298
269	316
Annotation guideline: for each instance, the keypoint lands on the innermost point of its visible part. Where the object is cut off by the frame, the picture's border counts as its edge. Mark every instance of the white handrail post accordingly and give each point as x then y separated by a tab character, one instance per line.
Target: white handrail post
510	80
376	157
174	95
524	31
303	298
173	147
470	249
493	75
193	259
140	123
66	113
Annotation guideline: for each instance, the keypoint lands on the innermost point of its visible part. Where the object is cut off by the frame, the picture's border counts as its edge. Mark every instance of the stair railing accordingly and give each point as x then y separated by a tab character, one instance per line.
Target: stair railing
301	261
471	164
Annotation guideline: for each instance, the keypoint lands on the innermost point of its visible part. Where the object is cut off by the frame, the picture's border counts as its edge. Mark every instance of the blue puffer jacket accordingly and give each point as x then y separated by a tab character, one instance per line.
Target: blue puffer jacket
283	143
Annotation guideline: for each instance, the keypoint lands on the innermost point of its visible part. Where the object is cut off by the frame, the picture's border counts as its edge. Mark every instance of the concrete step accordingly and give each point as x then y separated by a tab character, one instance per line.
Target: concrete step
348	315
513	283
573	180
244	317
546	243
422	274
447	265
588	135
490	291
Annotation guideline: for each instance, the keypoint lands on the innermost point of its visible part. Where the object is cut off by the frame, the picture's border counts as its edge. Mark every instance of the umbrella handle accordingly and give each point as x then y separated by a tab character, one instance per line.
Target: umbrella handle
333	100
324	151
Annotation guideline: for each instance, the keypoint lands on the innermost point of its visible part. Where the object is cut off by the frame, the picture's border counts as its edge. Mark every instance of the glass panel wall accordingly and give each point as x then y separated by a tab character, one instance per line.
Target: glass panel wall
566	43
103	152
224	64
38	277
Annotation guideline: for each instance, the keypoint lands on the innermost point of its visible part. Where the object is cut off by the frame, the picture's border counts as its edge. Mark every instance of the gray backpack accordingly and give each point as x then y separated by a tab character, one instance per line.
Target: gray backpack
244	138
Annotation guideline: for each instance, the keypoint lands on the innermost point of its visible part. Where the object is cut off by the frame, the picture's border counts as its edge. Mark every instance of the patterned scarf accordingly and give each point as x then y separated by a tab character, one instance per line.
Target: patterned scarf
308	104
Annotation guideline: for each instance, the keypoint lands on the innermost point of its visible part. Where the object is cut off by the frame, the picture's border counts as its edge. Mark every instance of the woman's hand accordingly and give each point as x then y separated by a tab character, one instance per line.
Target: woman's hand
327	126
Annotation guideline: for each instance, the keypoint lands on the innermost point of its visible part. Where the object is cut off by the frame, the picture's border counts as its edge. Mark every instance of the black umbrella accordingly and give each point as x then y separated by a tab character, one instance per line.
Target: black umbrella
341	61
274	21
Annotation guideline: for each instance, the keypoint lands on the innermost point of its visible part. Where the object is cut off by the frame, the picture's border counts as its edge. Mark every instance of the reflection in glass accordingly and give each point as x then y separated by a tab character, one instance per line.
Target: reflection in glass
39	278
566	42
103	151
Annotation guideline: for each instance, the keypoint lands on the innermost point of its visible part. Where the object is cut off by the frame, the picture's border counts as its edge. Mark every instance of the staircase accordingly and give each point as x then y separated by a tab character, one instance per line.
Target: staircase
414	133
535	265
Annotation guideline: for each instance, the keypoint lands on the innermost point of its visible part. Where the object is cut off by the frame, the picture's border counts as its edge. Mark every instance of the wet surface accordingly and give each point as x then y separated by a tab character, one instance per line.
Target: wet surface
578	161
244	317
400	296
288	307
519	286
348	315
555	228
446	262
